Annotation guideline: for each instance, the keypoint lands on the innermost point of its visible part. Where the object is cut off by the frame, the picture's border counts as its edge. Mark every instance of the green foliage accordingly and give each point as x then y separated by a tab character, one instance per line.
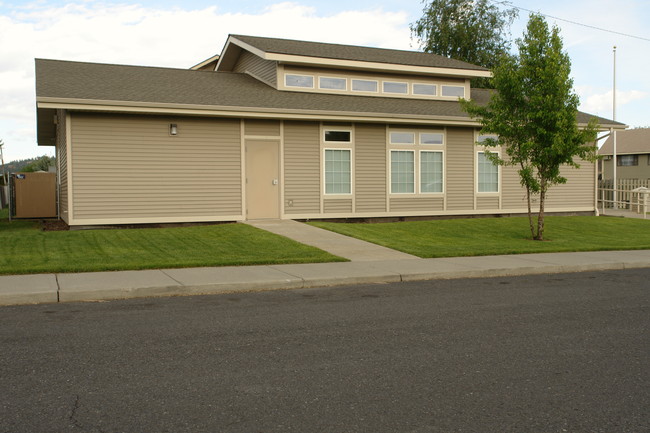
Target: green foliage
490	236
533	112
42	163
473	31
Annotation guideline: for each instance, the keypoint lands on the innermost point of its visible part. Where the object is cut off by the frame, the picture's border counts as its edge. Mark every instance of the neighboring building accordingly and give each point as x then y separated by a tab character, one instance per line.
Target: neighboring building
279	129
632	155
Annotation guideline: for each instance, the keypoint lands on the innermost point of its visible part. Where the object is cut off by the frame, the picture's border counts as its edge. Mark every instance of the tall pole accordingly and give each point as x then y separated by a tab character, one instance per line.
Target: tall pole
2	162
614	118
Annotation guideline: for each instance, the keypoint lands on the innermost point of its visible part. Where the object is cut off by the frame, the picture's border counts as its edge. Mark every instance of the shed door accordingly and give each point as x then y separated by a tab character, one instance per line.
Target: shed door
262	179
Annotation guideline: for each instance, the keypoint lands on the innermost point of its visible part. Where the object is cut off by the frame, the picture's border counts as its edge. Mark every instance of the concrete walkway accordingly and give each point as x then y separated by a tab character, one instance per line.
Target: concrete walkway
349	248
44	288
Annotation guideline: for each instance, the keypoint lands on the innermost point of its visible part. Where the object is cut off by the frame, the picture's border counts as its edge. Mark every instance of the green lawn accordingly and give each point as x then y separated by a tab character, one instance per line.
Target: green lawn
25	248
487	236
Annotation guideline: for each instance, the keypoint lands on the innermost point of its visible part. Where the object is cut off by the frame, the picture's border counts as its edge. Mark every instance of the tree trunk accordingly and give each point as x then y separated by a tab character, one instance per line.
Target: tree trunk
530	214
540	217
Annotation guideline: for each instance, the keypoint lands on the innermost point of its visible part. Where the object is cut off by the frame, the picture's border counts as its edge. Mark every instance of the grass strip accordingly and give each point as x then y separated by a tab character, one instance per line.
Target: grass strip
490	236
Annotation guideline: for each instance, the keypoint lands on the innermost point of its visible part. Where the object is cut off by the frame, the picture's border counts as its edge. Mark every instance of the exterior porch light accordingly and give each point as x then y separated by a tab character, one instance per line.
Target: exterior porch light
173	129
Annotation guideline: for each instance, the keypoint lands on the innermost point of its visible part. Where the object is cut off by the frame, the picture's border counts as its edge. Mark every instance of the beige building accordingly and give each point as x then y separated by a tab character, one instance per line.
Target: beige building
632	155
274	128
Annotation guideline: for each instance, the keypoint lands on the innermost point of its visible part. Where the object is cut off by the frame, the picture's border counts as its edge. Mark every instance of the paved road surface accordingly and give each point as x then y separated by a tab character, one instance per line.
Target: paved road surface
557	353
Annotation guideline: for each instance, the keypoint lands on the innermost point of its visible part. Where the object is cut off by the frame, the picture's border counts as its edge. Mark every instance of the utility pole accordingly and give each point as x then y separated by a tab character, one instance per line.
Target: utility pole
614	132
2	162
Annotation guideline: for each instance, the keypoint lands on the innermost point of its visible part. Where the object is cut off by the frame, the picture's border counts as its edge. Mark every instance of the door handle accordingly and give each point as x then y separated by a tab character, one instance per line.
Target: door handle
275	182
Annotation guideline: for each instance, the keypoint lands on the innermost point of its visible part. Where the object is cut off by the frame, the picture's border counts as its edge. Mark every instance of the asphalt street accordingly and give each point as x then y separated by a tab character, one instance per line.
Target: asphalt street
546	353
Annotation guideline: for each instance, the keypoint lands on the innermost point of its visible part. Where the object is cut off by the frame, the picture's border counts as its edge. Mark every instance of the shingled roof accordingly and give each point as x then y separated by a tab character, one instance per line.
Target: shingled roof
630	142
353	52
65	83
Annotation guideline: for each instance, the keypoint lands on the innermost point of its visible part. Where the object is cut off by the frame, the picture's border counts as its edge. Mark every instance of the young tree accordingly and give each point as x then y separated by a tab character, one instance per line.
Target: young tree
533	113
473	31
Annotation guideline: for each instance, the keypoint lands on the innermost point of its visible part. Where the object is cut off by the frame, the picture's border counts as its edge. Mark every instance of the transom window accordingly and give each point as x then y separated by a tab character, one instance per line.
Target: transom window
424	89
364	85
458	91
337	136
431	138
333	83
295	80
402	138
395	87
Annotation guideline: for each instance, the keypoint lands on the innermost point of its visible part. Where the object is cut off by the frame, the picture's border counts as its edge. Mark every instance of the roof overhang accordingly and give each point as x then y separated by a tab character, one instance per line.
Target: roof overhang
205	63
226	60
45	103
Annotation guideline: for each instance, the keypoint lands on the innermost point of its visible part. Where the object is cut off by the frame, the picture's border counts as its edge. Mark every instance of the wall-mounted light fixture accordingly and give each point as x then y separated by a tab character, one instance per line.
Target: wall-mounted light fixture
173	129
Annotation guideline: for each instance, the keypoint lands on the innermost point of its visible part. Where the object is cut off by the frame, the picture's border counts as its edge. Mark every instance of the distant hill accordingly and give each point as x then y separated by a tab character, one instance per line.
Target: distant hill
20	164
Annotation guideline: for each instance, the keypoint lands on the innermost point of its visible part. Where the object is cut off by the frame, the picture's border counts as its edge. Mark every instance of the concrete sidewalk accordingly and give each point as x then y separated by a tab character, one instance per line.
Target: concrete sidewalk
43	288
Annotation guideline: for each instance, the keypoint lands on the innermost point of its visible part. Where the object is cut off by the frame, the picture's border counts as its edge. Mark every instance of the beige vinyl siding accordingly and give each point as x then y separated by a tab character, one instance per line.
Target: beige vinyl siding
416	204
62	164
578	192
512	193
487	203
129	167
370	168
262	128
640	171
264	70
460	169
302	169
338	206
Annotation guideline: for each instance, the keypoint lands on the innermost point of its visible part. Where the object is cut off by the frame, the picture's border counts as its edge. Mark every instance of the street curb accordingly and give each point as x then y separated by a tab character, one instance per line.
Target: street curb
102	286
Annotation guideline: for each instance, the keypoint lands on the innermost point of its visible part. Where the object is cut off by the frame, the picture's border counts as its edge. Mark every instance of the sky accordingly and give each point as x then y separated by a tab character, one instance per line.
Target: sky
179	34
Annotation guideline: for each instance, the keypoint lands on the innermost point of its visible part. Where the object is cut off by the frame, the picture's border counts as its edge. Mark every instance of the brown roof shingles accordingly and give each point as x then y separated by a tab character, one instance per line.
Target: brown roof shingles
353	52
106	82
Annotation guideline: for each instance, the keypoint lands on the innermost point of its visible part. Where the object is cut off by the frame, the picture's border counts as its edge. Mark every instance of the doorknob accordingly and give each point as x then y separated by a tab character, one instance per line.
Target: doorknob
275	181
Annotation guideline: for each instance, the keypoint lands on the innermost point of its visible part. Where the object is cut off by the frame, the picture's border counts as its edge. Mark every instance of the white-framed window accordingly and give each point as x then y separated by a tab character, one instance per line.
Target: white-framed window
483	137
337	136
487	174
333	83
432	138
365	85
431	174
297	80
398	137
627	160
448	90
395	87
402	172
424	89
338	171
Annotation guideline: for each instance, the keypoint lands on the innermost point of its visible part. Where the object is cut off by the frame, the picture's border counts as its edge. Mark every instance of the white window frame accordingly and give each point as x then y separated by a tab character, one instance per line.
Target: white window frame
421	133
435	89
334	142
442	90
342	194
498	167
345	80
383	87
442	160
287	74
390	138
390	172
352	89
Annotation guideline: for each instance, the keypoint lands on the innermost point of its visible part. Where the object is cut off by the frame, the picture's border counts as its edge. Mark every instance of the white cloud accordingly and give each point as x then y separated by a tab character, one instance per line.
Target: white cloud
593	101
89	30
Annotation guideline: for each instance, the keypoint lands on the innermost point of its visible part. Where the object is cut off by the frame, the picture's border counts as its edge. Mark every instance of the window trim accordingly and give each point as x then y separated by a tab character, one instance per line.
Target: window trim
320	77
329	142
390	173
421	133
339	194
383	88
352	89
442	91
287	74
499	171
442	161
390	138
434	85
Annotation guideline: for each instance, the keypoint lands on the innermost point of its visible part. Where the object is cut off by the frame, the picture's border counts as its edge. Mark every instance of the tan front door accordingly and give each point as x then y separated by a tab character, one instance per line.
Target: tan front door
262	179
